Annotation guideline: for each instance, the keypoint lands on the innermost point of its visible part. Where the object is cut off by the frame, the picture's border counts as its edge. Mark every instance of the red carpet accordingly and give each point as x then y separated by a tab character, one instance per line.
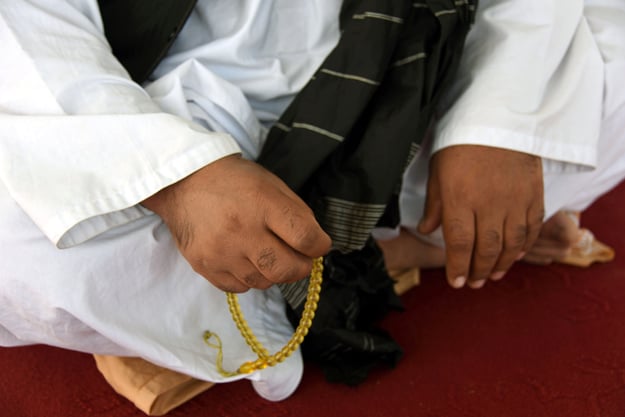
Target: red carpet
546	341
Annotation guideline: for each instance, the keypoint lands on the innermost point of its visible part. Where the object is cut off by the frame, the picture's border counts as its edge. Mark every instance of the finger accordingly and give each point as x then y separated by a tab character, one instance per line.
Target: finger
488	248
225	281
297	227
515	235
432	214
459	234
476	284
535	216
278	263
249	275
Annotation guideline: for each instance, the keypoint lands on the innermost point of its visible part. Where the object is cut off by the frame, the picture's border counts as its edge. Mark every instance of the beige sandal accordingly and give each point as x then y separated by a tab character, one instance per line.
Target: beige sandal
405	279
152	389
587	251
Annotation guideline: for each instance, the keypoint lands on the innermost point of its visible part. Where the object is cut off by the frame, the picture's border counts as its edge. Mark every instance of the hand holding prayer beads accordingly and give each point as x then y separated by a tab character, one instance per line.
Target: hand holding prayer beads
212	225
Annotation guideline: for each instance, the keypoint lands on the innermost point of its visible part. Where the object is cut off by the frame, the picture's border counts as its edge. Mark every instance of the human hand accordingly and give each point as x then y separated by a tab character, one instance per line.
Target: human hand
489	202
240	226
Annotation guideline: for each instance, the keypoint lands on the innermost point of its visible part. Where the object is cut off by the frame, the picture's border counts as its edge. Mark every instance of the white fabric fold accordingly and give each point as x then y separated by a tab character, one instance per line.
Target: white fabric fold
80	144
531	80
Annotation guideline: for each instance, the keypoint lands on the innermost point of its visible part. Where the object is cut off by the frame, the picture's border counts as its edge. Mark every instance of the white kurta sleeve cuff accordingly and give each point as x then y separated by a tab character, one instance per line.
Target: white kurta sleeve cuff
89	182
531	80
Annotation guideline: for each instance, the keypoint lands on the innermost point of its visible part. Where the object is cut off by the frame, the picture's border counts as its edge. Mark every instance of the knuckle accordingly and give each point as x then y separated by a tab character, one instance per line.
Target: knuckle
266	260
227	282
288	269
488	253
304	235
537	219
256	280
296	271
456	227
518	237
459	244
302	227
303	269
287	212
253	279
457	237
490	245
492	238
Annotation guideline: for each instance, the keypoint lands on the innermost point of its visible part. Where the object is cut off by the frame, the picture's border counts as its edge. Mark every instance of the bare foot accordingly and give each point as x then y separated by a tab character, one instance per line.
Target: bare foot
562	240
558	236
408	252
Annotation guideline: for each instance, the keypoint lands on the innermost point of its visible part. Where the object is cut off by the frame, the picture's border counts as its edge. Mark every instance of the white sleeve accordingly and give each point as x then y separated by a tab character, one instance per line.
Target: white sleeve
606	19
531	80
80	143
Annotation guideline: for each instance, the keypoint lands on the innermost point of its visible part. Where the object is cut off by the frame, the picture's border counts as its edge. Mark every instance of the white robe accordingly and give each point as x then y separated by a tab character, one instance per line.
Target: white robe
84	267
541	77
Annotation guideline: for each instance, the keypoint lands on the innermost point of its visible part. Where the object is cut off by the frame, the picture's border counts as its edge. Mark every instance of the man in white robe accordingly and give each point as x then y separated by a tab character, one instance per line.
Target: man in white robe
84	152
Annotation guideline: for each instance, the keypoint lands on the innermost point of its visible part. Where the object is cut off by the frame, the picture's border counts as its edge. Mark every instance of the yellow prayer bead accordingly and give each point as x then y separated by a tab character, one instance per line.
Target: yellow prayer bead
247	368
265	359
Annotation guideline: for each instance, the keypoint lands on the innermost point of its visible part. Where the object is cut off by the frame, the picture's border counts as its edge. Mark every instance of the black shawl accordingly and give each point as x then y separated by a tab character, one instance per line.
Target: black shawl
343	145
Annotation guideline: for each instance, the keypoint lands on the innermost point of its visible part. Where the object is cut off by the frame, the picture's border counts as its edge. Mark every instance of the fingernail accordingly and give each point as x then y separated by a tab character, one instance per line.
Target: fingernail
521	256
459	282
496	276
477	284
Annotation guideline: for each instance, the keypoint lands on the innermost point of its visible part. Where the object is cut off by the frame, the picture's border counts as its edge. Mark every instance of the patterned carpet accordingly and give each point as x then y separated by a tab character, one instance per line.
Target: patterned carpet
545	341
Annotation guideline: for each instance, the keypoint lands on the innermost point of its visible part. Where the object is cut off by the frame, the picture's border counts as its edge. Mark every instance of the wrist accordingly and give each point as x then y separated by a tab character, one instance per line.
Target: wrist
166	200
160	201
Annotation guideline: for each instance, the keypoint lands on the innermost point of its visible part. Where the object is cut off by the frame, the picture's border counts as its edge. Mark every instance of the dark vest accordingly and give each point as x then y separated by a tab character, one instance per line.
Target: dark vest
140	32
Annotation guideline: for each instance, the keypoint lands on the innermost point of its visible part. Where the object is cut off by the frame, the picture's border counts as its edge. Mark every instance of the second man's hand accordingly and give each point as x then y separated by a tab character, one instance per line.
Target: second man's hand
489	202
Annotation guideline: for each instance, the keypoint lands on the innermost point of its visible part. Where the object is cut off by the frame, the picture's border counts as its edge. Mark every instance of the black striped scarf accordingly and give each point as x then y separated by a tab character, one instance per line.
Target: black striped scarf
343	145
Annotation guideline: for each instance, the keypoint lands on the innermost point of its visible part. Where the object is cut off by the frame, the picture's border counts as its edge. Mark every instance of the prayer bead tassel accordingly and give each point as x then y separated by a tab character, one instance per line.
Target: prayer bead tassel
265	359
